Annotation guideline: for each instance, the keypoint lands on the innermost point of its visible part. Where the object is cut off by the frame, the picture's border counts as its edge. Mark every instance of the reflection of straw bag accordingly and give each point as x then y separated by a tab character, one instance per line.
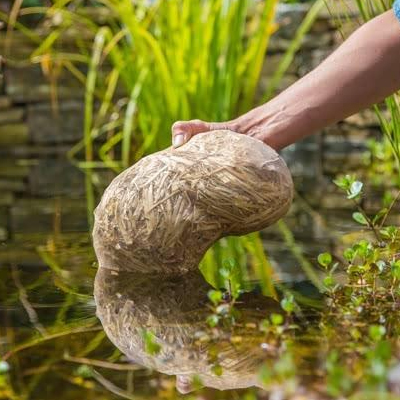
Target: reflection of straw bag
165	211
174	309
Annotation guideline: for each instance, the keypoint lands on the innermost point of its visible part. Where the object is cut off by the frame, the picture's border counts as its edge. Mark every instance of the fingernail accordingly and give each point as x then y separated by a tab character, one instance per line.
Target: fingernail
177	140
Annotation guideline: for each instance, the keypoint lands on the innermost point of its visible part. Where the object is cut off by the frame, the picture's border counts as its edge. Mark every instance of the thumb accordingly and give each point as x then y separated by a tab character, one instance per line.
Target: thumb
182	131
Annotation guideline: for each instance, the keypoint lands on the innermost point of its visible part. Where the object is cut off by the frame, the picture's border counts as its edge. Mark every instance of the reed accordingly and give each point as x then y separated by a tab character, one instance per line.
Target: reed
150	65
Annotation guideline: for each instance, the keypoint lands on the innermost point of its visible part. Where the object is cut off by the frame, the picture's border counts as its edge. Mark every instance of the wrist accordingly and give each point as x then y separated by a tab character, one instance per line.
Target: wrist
276	123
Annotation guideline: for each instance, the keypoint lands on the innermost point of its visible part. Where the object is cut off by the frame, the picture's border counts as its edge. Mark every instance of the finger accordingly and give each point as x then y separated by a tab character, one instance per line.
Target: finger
182	131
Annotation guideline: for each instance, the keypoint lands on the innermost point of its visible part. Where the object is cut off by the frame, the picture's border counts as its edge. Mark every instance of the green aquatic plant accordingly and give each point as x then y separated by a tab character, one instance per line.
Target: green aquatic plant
367	260
149	64
223	308
362	304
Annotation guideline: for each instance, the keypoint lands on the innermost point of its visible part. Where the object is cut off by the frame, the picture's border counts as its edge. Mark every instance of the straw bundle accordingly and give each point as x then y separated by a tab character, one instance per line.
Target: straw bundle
164	212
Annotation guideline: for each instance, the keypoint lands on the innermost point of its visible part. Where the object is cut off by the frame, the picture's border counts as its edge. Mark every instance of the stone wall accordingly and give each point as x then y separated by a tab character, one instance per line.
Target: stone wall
40	190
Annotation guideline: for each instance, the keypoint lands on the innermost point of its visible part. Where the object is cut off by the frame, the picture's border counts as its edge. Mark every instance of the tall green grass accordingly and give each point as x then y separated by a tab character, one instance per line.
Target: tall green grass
150	65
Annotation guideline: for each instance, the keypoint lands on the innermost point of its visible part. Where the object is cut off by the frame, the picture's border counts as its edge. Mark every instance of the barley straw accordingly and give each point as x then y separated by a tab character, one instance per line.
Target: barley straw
164	212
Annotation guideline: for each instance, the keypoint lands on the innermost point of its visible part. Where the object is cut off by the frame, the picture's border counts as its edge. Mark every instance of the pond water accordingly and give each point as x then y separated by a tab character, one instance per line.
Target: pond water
158	337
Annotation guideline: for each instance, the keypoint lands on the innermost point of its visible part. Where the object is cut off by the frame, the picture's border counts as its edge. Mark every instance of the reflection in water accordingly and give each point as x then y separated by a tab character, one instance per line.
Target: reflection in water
338	349
174	310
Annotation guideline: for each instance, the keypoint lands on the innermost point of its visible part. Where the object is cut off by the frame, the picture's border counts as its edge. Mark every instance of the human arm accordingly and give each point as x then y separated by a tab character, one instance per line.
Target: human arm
362	71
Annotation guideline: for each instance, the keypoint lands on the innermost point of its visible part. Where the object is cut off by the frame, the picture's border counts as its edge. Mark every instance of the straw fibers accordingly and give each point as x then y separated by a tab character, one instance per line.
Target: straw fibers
165	211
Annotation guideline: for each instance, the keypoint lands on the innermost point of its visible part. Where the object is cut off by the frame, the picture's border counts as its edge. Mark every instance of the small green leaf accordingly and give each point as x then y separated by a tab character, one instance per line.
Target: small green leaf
276	319
389	232
358	217
383	350
325	259
212	320
387	198
349	254
380	215
215	296
225	273
84	371
376	332
329	282
287	303
344	182
395	269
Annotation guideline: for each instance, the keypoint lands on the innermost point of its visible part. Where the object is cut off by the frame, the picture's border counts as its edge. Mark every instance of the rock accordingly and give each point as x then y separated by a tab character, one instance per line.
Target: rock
39	215
45	127
365	119
12	115
3	216
335	163
335	201
310	41
73	251
5	6
28	84
284	83
12	185
271	64
5	102
13	134
303	158
18	45
13	168
346	143
6	198
289	17
322	25
36	151
341	223
3	234
345	132
56	178
317	41
308	60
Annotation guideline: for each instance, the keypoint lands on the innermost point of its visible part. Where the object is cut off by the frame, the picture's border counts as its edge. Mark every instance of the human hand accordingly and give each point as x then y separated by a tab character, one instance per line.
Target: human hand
182	131
271	123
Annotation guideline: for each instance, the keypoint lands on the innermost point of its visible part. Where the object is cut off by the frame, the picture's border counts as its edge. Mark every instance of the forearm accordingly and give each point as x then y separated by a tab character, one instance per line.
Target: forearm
361	72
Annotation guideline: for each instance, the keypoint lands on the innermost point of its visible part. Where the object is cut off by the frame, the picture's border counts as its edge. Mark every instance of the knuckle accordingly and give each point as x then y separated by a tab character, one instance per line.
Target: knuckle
177	124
